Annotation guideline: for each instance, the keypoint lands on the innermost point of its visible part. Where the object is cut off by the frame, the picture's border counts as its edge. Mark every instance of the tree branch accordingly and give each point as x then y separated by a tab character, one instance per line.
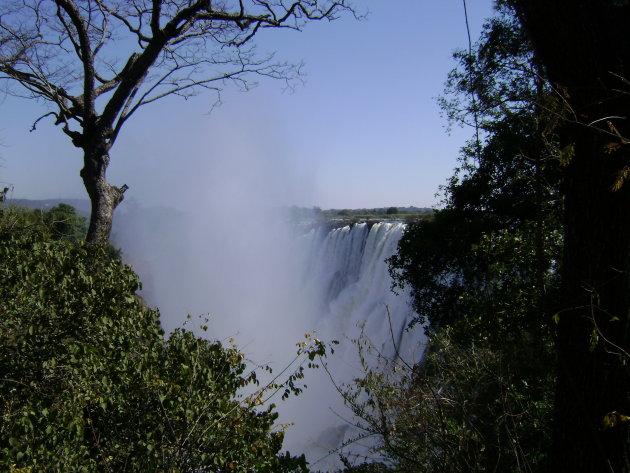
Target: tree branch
87	57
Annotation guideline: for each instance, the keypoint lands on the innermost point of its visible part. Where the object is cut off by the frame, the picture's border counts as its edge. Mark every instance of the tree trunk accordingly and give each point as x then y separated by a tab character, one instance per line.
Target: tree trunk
593	379
103	196
584	46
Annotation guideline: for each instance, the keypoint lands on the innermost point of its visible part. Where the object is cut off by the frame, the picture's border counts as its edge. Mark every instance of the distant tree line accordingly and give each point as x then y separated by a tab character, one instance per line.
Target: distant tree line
378	211
296	213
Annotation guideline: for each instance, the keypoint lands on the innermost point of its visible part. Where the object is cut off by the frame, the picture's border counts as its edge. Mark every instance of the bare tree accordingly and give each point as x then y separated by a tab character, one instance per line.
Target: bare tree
68	53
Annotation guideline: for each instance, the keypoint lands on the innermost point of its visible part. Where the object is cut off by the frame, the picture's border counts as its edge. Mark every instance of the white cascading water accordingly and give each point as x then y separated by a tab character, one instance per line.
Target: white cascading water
346	271
347	278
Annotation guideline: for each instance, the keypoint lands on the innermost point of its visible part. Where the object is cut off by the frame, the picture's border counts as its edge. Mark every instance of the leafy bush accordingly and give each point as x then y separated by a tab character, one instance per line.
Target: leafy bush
466	407
64	223
481	399
89	383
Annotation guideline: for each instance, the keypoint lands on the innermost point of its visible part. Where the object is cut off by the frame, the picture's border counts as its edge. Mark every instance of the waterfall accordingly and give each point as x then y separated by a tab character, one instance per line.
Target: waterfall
346	272
266	284
346	276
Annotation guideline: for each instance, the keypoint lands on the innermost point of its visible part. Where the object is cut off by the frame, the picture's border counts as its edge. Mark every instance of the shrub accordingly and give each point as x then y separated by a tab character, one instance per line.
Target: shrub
89	383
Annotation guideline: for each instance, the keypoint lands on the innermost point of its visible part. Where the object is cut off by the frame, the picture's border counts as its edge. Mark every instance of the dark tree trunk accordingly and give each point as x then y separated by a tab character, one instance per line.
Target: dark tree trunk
593	378
584	46
103	196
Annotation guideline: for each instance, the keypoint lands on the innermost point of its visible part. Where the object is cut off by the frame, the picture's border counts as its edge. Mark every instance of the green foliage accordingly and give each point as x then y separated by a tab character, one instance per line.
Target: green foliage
480	400
60	222
506	183
64	223
465	408
496	78
378	212
483	273
507	302
89	383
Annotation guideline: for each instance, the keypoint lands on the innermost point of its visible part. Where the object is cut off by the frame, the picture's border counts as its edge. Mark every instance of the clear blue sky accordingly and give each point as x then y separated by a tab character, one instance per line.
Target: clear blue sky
364	131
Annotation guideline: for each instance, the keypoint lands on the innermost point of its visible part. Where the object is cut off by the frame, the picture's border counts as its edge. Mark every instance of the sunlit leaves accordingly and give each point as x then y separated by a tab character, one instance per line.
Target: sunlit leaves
89	383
